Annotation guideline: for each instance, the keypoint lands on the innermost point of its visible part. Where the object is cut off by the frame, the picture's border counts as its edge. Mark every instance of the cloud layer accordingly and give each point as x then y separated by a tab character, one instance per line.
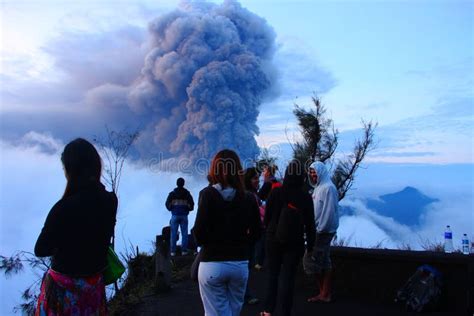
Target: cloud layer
32	181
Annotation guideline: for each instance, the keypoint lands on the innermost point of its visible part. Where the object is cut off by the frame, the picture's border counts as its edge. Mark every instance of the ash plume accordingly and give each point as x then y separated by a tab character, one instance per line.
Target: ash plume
204	77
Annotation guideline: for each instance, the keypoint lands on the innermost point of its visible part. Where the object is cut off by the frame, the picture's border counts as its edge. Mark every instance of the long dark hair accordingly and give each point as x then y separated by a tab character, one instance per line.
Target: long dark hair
226	169
248	176
293	182
294	175
82	165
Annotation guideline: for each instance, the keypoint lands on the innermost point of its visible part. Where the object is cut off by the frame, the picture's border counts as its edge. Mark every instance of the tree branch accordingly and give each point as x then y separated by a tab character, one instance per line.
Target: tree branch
344	174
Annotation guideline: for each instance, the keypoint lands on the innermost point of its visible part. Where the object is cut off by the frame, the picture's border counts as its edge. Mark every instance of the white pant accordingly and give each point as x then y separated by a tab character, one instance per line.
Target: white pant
222	286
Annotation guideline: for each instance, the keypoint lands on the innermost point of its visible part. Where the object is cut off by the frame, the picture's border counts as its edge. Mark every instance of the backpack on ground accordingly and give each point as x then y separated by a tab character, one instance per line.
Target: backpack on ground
290	224
422	291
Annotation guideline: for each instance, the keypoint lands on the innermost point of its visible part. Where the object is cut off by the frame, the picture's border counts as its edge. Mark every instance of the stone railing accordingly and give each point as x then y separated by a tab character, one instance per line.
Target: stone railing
377	274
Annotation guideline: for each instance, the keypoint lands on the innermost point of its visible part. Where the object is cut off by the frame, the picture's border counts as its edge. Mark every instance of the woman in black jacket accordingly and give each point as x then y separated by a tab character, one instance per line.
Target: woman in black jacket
227	223
76	235
283	257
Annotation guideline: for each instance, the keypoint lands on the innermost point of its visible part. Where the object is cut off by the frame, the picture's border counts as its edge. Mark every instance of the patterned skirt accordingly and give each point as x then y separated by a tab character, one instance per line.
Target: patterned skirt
63	295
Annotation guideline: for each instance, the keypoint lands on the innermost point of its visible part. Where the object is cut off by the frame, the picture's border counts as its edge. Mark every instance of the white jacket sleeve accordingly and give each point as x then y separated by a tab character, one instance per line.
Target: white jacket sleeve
326	209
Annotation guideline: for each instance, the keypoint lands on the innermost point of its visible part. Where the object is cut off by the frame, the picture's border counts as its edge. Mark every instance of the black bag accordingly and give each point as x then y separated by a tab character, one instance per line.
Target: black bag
290	225
422	291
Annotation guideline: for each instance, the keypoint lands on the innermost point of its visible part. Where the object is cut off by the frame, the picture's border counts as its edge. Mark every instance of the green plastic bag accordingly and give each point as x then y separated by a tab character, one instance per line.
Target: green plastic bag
114	269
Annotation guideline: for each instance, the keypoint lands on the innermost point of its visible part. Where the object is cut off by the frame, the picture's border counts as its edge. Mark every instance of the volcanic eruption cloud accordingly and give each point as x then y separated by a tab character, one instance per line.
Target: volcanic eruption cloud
204	77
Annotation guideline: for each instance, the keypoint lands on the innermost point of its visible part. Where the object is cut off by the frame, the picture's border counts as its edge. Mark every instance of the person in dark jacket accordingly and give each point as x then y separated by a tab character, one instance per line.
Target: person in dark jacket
251	183
179	202
227	224
269	182
283	258
76	235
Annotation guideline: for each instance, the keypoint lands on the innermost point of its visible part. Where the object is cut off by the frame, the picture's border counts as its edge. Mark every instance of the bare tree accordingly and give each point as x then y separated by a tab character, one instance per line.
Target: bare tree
345	171
114	148
320	141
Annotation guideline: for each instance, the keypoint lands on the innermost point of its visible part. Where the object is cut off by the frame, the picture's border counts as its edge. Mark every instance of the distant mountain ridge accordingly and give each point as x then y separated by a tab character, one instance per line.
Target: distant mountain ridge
406	206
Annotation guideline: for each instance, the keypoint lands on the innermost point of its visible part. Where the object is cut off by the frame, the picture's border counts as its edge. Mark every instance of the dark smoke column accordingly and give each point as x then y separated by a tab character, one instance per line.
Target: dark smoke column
203	80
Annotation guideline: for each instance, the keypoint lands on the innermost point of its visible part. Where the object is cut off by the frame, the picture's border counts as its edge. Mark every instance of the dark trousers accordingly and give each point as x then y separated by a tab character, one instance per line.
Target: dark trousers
281	263
249	293
260	251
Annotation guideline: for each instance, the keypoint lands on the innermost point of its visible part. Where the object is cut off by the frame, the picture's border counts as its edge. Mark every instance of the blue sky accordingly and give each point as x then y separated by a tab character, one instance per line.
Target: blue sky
406	64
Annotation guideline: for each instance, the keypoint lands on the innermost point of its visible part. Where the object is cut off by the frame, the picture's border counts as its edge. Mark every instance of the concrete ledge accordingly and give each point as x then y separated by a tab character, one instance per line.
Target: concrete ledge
377	274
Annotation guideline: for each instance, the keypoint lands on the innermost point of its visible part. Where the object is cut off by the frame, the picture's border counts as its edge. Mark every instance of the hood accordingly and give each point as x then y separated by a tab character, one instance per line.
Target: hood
321	171
227	194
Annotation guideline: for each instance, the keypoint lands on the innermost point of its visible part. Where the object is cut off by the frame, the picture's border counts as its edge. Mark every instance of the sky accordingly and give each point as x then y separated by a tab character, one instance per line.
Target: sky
407	65
66	68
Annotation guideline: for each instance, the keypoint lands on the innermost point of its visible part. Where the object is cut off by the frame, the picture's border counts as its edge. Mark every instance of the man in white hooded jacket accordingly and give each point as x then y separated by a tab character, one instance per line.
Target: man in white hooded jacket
325	200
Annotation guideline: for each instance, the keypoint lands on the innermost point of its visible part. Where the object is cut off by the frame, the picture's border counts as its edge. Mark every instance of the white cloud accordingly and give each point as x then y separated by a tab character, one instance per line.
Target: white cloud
368	229
142	213
454	209
41	142
32	180
360	231
301	73
394	232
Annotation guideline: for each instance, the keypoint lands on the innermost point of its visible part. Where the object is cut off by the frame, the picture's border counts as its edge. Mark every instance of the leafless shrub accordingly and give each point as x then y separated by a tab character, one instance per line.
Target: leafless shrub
114	148
404	246
341	241
378	245
430	245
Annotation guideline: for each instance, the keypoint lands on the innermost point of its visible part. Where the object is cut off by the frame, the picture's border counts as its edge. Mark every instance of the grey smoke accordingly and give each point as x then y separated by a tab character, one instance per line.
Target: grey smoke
207	71
192	84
